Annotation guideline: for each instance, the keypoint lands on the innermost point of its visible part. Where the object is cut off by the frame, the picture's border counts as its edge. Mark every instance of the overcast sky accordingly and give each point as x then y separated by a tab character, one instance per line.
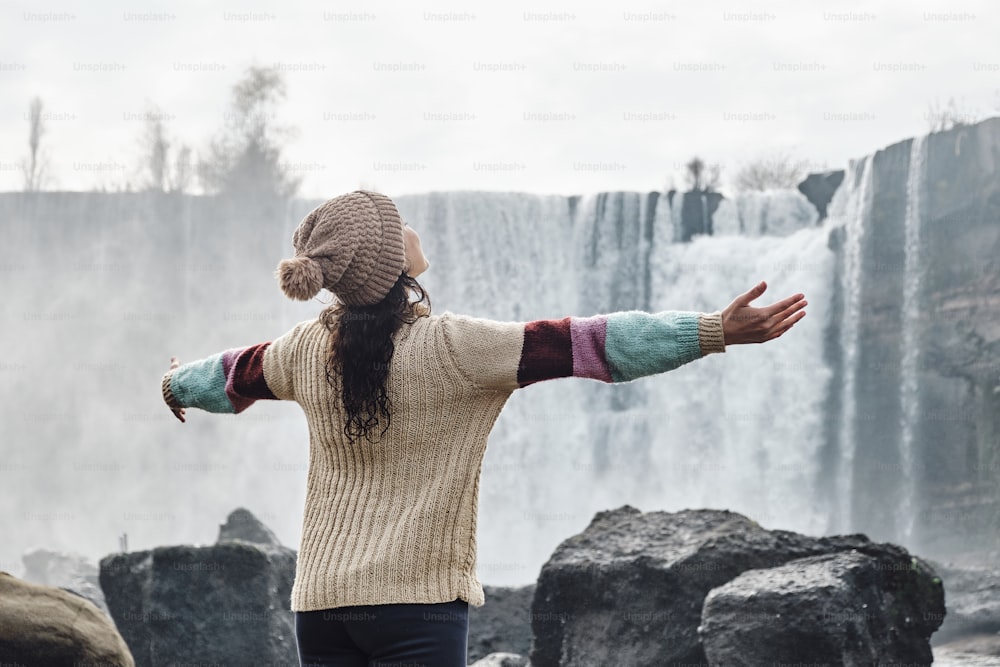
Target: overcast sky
573	98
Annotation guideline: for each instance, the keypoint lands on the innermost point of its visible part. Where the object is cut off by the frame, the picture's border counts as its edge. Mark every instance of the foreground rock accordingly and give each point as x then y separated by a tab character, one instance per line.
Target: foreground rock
503	623
835	609
42	625
226	604
972	599
70	572
630	588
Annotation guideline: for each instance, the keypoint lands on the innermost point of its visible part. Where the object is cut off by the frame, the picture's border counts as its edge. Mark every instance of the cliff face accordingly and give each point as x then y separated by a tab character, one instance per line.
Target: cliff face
962	334
894	384
927	364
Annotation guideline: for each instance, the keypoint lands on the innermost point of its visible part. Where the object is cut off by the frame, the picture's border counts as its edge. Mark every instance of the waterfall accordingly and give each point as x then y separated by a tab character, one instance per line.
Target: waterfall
751	430
771	212
909	381
740	431
851	207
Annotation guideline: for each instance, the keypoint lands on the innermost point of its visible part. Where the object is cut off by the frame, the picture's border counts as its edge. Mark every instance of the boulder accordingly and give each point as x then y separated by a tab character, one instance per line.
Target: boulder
820	188
502	660
836	609
68	571
973	601
227	603
43	625
503	623
629	589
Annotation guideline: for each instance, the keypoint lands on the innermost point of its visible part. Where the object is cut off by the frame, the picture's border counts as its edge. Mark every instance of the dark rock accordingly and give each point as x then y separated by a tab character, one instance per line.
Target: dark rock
42	625
836	609
228	603
70	572
697	208
819	189
972	597
242	526
503	623
502	660
629	589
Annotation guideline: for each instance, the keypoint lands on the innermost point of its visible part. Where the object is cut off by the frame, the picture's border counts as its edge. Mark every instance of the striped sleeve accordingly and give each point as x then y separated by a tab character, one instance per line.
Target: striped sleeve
232	380
618	347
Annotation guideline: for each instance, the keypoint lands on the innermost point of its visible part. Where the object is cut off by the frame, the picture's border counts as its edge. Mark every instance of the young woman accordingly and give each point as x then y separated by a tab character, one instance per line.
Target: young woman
399	404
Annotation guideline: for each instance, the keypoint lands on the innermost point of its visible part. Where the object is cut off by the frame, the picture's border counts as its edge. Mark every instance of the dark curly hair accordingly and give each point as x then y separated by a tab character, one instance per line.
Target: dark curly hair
362	348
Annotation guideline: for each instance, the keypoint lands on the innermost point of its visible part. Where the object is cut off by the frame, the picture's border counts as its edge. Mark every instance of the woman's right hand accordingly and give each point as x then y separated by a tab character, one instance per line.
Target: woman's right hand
179	413
742	323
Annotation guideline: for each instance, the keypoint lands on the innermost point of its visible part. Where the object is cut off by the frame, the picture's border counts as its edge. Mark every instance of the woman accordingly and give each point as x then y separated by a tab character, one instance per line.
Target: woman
399	404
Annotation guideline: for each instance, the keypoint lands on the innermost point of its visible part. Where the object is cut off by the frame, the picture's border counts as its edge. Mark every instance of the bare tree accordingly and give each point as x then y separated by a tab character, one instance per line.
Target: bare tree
157	148
778	170
703	177
694	170
183	171
35	165
245	157
162	168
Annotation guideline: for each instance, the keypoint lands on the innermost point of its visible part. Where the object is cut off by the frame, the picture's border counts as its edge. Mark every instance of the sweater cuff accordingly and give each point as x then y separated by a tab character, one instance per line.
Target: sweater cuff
168	395
710	333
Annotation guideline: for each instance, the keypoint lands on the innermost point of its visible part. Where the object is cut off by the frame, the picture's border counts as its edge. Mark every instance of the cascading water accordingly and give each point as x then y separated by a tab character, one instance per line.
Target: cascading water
912	284
770	212
748	430
850	207
738	431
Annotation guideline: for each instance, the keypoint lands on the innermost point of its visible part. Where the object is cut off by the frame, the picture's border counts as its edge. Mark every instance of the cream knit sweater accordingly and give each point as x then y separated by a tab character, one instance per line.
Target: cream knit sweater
395	520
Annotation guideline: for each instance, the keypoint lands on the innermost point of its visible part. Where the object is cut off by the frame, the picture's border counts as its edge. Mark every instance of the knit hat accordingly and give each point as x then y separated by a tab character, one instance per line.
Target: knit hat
352	245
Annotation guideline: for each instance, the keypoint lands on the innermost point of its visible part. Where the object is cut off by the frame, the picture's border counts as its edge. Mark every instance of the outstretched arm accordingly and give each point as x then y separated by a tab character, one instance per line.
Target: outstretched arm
232	380
617	347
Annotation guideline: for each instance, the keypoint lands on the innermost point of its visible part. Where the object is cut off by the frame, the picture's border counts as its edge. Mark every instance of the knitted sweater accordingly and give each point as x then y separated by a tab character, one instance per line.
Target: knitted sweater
394	520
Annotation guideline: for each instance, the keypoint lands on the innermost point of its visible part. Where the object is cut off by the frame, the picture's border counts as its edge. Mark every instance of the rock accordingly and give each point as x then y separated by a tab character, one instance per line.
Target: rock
70	572
242	525
43	625
503	623
502	660
836	609
629	589
819	189
697	208
972	597
228	603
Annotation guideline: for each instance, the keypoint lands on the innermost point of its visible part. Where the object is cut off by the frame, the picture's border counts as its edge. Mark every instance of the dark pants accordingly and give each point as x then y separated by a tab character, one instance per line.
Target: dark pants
384	635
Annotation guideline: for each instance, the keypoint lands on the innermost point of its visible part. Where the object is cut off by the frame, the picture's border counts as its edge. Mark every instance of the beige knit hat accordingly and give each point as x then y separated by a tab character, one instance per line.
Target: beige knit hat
352	245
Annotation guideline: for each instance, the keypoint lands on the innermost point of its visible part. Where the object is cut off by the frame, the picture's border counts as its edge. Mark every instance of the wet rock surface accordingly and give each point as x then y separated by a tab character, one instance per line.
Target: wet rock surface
630	588
839	609
503	623
225	603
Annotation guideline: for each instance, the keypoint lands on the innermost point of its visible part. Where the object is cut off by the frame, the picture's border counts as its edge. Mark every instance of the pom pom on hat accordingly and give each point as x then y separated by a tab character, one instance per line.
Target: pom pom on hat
300	278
